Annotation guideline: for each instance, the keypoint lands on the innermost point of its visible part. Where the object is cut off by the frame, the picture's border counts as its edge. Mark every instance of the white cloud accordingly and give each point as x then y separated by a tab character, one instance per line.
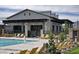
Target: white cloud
72	18
54	8
57	8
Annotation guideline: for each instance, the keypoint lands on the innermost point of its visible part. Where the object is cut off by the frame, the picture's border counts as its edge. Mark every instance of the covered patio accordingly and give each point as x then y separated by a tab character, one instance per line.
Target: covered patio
30	27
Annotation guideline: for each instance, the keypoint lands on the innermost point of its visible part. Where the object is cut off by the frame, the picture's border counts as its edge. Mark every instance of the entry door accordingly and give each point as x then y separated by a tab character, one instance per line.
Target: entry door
35	30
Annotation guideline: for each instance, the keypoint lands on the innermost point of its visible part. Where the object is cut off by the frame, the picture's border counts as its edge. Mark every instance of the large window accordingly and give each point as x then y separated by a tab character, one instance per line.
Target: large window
36	27
53	27
56	28
60	28
17	29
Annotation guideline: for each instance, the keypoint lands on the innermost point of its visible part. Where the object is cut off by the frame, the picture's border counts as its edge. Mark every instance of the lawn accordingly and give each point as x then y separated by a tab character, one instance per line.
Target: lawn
73	51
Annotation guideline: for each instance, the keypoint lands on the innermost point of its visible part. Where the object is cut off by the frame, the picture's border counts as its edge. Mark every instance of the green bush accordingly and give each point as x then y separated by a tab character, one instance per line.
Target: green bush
51	49
50	35
62	36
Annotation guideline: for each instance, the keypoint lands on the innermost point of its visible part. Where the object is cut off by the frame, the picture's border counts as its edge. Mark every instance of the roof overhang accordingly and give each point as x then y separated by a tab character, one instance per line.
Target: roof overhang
25	20
63	21
57	20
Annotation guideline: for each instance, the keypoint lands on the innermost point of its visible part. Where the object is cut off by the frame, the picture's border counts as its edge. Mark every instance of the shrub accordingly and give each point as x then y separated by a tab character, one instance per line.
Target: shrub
62	36
51	45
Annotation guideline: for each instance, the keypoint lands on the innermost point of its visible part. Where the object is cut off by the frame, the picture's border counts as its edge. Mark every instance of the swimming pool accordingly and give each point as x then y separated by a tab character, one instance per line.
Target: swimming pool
7	42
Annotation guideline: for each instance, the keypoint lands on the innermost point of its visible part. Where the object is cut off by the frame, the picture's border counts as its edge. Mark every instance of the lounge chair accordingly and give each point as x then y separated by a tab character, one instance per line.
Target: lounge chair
42	36
40	50
46	36
22	52
18	35
64	45
22	35
60	46
33	51
69	45
56	45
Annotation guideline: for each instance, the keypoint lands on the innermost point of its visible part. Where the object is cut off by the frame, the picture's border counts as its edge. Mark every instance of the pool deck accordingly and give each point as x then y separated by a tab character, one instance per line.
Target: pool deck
24	46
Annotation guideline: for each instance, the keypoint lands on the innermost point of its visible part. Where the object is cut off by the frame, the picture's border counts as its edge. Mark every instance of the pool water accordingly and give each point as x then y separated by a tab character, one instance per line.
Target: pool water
7	42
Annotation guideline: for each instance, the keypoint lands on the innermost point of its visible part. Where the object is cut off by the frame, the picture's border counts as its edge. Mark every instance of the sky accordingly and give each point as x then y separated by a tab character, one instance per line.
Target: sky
70	12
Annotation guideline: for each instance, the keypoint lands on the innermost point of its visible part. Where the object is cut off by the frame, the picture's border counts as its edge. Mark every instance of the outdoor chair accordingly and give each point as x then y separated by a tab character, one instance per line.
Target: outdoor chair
60	46
18	35
69	45
33	51
22	35
46	36
22	52
64	45
40	50
42	36
57	44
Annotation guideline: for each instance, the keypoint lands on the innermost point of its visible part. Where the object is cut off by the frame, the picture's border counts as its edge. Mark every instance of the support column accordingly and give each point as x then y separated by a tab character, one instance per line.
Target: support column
48	26
22	28
41	32
78	36
26	29
76	39
45	27
2	31
71	33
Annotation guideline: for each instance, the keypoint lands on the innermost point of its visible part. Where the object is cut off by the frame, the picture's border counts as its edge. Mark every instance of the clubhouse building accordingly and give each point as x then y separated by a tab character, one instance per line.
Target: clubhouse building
34	23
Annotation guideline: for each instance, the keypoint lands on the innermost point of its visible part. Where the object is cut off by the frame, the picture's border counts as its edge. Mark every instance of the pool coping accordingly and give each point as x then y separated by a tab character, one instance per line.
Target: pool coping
24	46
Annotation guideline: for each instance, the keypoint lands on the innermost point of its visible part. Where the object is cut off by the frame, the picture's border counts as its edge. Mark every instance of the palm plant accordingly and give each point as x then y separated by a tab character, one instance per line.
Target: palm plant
66	27
51	45
62	36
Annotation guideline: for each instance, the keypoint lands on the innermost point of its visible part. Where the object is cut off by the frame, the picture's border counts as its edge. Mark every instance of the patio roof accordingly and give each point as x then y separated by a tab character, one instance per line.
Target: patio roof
24	20
63	20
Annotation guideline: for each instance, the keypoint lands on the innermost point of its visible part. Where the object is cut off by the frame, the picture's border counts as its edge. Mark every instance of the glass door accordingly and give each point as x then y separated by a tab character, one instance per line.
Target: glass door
35	30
